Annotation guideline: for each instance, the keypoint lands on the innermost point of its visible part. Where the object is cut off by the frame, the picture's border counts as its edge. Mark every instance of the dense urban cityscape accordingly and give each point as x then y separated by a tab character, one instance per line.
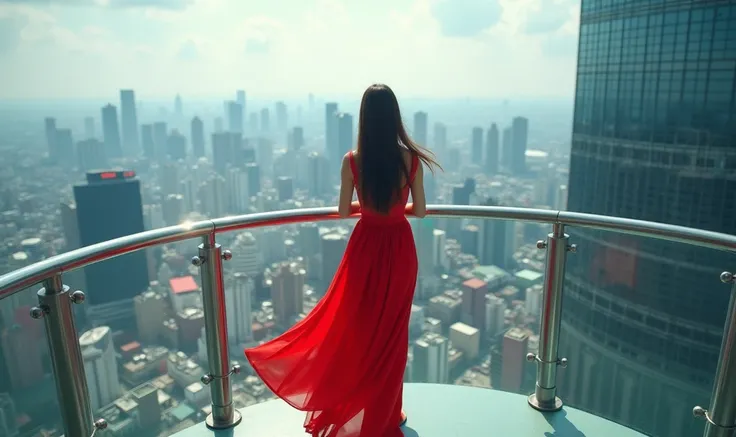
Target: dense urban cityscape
649	135
142	321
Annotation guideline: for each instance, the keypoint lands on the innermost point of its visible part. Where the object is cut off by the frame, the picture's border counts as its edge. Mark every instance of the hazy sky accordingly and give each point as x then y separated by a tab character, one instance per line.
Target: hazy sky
433	48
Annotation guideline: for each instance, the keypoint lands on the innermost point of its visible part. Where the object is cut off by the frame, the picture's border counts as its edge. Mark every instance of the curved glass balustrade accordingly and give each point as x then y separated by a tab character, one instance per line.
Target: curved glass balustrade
488	313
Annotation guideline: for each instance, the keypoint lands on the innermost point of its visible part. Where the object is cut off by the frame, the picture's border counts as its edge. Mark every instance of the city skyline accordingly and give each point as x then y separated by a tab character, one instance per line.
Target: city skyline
487	48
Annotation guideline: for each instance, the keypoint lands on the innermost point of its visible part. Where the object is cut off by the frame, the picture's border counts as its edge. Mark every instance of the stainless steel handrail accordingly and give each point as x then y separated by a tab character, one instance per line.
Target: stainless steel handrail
28	276
54	301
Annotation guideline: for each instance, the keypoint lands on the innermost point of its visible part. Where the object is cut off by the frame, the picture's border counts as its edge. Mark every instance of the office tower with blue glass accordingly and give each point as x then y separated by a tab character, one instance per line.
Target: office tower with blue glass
653	139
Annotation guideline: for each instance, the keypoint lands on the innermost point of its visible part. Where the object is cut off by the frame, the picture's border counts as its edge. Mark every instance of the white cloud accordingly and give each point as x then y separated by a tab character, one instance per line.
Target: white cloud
322	46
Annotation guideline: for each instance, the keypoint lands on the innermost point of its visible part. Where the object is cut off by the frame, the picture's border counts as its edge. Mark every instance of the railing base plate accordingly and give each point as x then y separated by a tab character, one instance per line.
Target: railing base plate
546	407
211	425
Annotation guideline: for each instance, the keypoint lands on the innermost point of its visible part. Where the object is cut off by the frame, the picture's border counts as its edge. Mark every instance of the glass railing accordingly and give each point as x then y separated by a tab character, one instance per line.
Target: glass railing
642	327
488	312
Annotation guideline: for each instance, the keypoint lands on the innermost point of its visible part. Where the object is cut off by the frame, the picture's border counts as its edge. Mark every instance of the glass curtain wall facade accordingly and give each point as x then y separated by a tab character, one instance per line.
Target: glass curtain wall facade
654	138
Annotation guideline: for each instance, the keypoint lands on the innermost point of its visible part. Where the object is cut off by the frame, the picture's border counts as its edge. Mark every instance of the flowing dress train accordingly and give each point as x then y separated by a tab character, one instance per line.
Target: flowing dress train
344	362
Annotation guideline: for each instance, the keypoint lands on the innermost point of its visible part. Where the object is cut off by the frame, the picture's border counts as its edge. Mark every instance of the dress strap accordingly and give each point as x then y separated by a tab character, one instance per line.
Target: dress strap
353	168
414	166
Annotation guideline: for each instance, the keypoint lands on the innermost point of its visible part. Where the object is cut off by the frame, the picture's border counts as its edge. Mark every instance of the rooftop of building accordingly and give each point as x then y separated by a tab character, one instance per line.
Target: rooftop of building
183	284
464	329
474	283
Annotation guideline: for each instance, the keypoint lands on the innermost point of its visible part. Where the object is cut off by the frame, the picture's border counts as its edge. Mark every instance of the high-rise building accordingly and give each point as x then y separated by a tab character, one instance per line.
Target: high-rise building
492	150
111	131
213	197
282	122
160	137
497	241
344	134
440	137
519	135
253	122
109	206
515	346
240	97
474	303
147	142
225	146
653	139
331	145
318	180
129	121
249	259
254	178
89	127
420	128
22	355
431	359
265	120
237	191
235	117
507	148
197	137
176	146
287	292
178	106
476	145
8	416
91	155
296	138
65	147
285	188
100	366
333	248
238	297
50	129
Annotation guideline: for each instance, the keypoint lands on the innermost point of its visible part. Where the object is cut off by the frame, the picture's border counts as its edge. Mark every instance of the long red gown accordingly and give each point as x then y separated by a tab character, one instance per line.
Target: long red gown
344	363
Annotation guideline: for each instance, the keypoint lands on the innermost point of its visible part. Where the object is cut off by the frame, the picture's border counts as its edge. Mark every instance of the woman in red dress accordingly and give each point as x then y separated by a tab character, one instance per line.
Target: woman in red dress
344	363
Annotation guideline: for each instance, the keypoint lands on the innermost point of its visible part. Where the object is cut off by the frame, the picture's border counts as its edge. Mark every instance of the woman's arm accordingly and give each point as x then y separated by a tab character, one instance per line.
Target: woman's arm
418	207
345	207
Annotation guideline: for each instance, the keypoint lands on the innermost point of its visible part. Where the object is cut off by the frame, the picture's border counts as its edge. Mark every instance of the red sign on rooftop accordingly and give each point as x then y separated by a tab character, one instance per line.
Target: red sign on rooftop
183	284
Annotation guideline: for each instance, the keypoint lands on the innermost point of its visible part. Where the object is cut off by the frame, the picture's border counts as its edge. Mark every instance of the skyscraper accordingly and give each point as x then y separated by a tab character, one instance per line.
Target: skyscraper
235	117
91	155
287	292
160	137
50	129
477	145
225	146
111	131
331	150
431	352
109	206
265	120
296	138
129	121
178	106
653	140
281	116
65	147
440	137
420	128
492	155
344	135
197	137
506	148
89	127
238	297
149	145
519	135
100	366
176	146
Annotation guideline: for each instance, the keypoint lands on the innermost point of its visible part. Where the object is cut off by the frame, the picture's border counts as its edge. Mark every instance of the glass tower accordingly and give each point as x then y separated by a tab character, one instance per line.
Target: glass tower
654	138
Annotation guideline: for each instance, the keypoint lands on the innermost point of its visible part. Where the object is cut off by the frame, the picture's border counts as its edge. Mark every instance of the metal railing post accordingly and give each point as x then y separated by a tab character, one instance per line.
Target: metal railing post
545	393
721	418
209	260
55	307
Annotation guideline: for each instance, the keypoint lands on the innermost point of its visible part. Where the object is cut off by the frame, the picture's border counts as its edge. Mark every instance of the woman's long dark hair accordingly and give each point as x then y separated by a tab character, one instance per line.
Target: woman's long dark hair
381	135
